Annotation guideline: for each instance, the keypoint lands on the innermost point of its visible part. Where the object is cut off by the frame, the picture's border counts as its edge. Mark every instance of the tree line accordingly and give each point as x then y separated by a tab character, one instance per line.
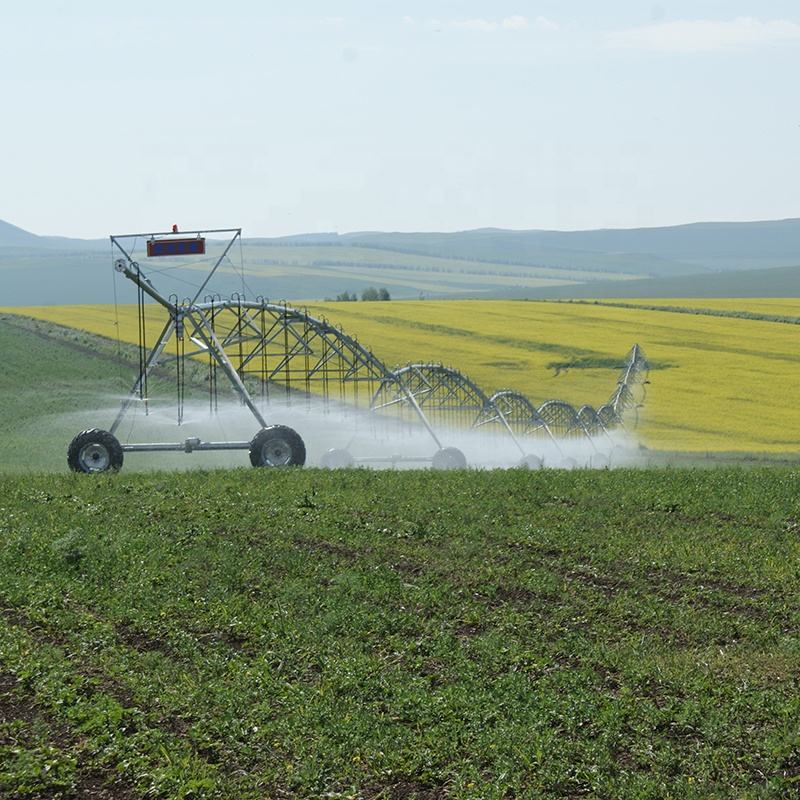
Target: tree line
369	294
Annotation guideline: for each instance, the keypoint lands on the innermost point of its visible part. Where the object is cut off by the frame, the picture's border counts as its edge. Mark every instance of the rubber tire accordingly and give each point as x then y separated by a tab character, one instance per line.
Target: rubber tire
449	458
336	458
283	437
568	463
531	462
600	461
102	440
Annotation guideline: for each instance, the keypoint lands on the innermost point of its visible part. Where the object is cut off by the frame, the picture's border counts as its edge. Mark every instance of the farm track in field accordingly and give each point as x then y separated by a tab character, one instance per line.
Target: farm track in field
717	595
107	785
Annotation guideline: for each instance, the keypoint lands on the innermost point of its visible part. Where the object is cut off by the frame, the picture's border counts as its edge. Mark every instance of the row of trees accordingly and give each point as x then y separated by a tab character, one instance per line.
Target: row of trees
369	294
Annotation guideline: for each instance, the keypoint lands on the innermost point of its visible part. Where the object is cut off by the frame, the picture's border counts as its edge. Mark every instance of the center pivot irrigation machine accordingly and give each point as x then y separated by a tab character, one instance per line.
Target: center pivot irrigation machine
278	357
97	450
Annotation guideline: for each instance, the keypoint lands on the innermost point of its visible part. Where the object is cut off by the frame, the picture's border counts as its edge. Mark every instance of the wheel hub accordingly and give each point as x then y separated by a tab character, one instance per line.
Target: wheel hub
276	453
95	457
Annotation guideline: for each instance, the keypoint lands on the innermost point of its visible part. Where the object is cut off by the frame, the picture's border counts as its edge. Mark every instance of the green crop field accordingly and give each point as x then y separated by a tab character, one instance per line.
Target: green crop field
42	379
254	634
286	271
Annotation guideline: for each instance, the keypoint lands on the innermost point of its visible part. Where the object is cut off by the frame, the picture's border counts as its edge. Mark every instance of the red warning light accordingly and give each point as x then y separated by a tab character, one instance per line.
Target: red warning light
174	228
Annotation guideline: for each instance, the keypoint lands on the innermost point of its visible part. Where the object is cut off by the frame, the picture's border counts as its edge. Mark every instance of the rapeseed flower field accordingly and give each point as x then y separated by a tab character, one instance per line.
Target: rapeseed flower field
787	306
718	384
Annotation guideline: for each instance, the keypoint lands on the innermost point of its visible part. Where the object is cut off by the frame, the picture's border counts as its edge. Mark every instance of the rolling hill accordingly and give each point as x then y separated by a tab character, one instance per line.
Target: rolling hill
696	247
775	282
709	259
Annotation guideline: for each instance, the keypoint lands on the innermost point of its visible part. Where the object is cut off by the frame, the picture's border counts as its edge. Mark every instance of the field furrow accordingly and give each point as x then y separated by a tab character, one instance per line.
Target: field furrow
356	634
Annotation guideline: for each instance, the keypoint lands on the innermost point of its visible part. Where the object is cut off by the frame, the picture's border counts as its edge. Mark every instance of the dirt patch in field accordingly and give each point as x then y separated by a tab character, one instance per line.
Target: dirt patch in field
97	786
606	584
43	633
609	678
13	707
142	642
330	548
675	513
548	557
741	600
519	596
237	642
671	578
406	567
469	629
627	762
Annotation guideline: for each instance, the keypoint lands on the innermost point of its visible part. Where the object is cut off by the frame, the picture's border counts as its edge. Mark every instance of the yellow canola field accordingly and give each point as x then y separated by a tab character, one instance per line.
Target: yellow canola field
776	306
719	384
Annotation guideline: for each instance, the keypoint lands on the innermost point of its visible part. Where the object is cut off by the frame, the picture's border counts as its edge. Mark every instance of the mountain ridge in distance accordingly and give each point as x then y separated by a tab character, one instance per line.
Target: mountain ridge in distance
701	257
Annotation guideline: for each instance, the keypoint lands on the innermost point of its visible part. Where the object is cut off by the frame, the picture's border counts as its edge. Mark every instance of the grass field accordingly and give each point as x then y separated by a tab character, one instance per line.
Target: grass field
42	379
719	384
286	271
257	258
250	634
405	275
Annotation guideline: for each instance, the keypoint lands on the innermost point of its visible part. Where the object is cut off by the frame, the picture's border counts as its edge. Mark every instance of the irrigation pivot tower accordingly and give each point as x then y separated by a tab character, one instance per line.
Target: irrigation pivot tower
97	450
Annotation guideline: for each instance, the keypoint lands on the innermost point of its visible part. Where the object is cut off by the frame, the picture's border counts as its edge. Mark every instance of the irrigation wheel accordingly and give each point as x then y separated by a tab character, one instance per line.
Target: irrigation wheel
336	458
449	458
531	462
94	450
277	446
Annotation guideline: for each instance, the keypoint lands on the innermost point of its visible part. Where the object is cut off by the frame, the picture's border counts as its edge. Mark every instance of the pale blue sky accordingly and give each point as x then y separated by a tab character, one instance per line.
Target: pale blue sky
312	116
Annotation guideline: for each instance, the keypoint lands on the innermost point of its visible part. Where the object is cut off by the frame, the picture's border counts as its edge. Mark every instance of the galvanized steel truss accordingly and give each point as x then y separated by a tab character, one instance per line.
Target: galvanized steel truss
275	348
267	349
445	395
448	397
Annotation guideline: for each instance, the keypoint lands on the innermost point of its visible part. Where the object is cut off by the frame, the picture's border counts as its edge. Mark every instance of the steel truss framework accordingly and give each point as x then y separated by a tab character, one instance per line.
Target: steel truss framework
260	347
448	397
277	351
444	394
275	348
271	351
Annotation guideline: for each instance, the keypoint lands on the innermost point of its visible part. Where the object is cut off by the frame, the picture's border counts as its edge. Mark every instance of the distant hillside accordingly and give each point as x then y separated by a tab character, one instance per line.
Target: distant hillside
12	236
777	282
476	263
691	248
